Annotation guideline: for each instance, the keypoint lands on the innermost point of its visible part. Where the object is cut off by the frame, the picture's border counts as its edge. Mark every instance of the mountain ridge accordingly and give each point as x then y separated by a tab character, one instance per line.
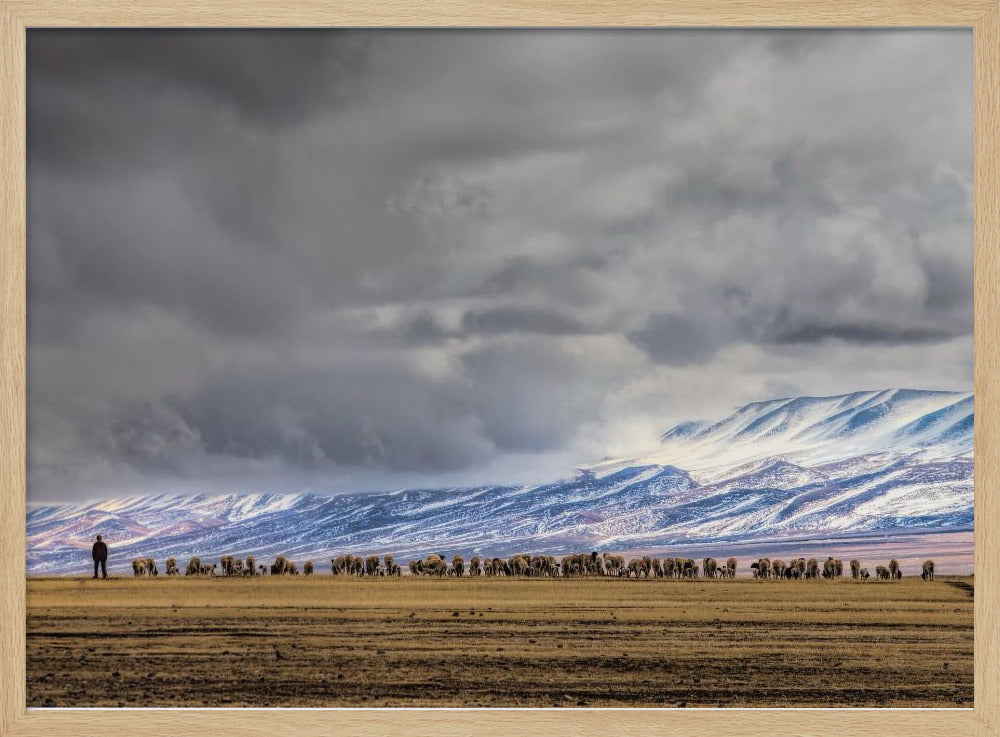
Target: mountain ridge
884	461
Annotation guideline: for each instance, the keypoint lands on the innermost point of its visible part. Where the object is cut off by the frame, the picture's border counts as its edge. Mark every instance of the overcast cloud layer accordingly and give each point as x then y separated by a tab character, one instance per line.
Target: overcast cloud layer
282	261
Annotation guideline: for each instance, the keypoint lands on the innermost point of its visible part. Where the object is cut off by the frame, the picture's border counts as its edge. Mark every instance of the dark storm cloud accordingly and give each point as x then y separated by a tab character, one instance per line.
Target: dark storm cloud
340	259
269	78
861	334
513	319
676	339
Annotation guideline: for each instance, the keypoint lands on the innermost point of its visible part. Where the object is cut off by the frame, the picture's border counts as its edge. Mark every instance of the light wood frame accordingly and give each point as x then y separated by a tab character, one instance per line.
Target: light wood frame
983	16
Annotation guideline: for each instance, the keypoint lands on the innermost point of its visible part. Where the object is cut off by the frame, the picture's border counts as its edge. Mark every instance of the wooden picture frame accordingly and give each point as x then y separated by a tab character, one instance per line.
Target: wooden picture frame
982	16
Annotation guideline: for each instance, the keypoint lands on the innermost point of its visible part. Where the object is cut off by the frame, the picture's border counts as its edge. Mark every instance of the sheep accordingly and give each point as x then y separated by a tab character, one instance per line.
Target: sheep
812	568
855	568
283	567
690	568
391	569
518	565
829	568
680	567
600	561
762	568
928	570
894	570
171	564
432	565
194	566
355	565
668	568
708	567
307	568
139	567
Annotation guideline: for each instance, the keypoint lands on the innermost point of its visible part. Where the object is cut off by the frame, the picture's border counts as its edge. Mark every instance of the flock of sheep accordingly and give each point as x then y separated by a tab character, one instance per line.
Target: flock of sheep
525	565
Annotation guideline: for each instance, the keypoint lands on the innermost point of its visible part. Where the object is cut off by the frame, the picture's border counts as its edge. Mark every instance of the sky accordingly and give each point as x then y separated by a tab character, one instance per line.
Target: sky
346	260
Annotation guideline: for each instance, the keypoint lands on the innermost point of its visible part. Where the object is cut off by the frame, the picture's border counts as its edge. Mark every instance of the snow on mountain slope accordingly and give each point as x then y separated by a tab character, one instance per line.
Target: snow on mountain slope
893	460
813	430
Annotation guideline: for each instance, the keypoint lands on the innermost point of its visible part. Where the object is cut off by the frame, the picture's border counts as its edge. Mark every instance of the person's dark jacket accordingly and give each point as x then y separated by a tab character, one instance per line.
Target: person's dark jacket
100	551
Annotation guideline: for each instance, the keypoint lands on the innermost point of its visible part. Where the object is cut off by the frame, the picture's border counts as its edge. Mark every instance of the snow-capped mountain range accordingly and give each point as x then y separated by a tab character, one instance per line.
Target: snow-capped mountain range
882	461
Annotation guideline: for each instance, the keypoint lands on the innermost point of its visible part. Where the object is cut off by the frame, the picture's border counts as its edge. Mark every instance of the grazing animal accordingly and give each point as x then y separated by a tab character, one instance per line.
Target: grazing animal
151	569
928	570
800	567
731	568
250	569
864	574
894	570
829	568
283	567
457	566
812	568
171	564
193	567
226	564
855	568
237	566
778	568
669	568
307	568
391	569
882	573
708	567
139	567
432	565
614	565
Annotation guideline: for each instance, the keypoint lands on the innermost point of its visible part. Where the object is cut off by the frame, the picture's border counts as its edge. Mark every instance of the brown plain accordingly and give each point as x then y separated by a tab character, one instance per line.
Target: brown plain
326	641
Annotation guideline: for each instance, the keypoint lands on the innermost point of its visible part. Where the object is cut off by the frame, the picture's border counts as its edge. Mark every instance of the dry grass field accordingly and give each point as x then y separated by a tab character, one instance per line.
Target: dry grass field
325	641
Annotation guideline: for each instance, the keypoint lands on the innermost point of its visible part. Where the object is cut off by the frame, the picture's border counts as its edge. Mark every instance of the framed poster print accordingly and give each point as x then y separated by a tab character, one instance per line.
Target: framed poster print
557	369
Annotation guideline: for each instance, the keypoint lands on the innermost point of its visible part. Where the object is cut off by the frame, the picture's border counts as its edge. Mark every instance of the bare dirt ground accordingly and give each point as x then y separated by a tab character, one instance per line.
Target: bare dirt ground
325	641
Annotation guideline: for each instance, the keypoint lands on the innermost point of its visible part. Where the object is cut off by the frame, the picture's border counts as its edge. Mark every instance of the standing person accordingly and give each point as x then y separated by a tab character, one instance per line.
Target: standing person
100	555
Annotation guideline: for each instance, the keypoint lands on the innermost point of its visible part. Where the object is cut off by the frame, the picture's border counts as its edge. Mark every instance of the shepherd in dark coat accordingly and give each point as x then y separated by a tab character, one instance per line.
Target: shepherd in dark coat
100	555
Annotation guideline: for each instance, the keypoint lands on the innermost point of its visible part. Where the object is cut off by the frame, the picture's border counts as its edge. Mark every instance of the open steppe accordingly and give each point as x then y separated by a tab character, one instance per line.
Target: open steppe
330	641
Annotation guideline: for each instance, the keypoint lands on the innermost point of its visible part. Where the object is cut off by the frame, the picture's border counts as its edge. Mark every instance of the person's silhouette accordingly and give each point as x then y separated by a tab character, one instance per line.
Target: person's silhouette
100	555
